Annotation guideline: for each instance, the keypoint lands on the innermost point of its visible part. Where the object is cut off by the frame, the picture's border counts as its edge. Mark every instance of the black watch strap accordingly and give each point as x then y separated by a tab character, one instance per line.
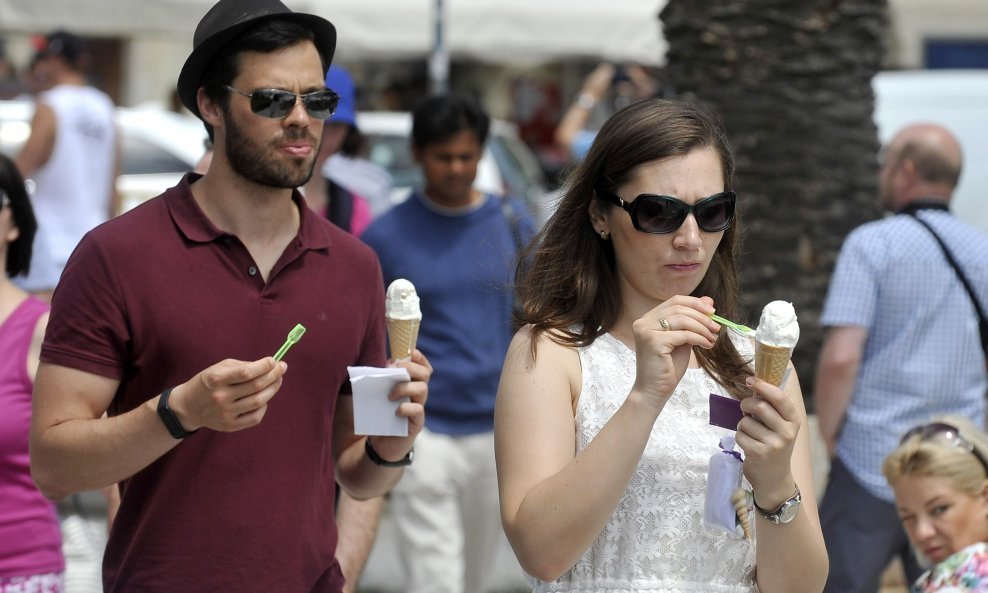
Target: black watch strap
378	460
169	418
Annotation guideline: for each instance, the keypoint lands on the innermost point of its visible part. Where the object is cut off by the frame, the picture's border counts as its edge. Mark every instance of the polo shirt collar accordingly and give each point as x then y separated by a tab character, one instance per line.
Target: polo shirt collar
193	223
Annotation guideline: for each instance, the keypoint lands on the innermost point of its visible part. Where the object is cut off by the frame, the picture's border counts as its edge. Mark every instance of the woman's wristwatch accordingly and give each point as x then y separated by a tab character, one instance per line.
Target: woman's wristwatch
785	513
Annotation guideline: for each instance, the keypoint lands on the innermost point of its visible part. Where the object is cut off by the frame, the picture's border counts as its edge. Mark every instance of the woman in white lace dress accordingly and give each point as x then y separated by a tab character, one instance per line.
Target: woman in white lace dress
602	427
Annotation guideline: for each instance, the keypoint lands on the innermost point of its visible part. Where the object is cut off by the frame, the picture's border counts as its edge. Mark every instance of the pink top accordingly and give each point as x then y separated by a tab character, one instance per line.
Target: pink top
30	539
361	216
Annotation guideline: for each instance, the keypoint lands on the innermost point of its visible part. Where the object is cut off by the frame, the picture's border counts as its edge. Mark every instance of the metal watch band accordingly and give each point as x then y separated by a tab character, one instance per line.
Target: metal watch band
169	418
378	460
785	513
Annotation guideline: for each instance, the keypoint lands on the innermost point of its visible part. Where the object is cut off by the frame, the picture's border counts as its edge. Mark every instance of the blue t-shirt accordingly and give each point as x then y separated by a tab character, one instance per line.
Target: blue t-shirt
462	264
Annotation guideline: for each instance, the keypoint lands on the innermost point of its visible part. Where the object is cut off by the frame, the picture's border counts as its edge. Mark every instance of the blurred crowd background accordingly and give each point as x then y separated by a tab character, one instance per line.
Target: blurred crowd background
809	91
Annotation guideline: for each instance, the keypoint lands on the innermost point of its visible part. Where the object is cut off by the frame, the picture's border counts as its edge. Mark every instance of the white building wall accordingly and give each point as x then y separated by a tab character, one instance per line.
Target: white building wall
151	68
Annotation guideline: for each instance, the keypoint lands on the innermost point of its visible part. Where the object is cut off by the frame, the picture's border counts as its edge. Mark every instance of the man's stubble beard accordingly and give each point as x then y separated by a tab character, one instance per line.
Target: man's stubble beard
252	162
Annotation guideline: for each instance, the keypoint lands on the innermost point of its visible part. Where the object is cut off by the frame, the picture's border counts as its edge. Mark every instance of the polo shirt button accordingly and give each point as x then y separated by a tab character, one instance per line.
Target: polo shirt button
252	271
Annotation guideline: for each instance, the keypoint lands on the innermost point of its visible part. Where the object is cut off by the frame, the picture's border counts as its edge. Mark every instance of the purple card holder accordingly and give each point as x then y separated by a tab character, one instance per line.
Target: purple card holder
725	412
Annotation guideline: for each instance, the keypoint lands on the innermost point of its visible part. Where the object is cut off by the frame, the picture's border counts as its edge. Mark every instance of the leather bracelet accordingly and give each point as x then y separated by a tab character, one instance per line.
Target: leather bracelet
169	418
378	460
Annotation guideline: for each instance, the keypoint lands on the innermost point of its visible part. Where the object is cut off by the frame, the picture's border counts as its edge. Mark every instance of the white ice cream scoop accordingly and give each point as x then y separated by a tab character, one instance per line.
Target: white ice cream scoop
778	326
402	301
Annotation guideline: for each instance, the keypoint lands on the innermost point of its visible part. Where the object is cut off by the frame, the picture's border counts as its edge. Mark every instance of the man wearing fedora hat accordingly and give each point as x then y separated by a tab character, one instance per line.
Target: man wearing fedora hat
166	321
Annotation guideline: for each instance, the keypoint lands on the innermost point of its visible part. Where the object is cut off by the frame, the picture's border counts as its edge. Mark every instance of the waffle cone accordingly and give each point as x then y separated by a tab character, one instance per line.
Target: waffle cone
402	335
771	362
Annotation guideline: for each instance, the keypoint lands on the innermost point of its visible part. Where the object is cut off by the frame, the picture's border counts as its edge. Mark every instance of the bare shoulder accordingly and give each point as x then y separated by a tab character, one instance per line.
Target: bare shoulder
40	326
534	428
542	363
545	350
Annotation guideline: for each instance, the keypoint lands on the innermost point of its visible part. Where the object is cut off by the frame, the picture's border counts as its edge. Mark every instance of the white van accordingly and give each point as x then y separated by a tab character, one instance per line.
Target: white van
956	99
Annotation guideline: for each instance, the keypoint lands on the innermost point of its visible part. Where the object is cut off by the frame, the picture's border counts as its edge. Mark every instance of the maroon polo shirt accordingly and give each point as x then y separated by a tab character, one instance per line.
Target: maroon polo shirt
155	296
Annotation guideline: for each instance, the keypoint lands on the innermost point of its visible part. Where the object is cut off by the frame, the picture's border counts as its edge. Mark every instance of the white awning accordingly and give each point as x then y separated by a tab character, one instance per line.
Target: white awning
495	31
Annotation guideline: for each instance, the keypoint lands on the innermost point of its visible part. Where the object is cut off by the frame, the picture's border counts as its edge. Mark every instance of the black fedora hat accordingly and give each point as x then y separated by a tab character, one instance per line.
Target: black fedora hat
225	21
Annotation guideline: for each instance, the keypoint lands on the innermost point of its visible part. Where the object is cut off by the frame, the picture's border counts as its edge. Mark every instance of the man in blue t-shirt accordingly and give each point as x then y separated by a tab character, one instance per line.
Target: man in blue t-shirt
458	246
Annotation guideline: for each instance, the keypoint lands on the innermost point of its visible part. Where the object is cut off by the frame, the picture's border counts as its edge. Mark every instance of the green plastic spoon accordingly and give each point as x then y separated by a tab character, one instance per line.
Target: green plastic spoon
744	329
293	336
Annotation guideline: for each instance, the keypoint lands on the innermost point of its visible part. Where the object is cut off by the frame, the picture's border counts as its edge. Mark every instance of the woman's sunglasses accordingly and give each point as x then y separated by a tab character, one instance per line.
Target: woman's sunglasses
941	432
664	214
277	103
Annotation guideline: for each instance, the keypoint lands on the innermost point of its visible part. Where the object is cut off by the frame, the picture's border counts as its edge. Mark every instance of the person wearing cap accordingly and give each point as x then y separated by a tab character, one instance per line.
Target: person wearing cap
72	155
345	208
349	166
357	520
167	319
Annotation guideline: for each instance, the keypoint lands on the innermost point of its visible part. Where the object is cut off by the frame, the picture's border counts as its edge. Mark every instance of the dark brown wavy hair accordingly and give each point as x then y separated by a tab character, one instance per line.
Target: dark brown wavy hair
566	281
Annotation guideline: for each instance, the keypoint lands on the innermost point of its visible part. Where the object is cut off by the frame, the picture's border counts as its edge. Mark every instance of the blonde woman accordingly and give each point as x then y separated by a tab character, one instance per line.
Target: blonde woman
940	478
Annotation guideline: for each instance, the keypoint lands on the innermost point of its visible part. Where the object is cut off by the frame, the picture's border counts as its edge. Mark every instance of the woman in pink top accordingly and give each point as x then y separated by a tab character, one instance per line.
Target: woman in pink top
30	539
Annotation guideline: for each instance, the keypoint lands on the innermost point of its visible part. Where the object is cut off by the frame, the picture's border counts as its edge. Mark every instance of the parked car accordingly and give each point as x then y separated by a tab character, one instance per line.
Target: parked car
507	166
157	146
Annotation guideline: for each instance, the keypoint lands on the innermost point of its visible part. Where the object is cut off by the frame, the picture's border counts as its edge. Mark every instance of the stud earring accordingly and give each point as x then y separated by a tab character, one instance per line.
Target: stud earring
603	235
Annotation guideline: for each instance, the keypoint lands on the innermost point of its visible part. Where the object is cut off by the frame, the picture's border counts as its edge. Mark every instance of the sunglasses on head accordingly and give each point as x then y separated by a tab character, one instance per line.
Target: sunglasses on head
941	432
657	214
277	103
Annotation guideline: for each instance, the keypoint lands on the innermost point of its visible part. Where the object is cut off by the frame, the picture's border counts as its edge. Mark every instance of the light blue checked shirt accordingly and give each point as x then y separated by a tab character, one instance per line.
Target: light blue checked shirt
923	354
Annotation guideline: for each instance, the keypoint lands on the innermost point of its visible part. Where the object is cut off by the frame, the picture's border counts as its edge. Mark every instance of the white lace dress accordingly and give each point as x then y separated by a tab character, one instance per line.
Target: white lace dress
656	541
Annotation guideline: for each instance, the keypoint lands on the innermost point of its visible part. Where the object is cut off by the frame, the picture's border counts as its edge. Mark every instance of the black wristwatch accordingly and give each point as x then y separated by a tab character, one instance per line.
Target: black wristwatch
169	418
378	460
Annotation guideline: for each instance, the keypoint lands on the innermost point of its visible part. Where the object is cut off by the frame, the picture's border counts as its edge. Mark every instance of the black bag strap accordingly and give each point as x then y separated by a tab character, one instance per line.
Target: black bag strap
513	217
982	321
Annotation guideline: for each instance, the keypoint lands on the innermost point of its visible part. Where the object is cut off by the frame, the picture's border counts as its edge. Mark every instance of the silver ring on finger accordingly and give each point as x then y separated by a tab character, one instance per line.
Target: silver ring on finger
665	325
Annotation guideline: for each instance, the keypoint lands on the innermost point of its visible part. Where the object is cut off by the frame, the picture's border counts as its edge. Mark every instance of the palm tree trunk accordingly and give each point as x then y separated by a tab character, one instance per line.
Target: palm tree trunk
792	81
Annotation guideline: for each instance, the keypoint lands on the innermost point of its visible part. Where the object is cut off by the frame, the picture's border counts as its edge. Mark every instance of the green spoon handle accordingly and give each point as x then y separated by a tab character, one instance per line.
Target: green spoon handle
728	323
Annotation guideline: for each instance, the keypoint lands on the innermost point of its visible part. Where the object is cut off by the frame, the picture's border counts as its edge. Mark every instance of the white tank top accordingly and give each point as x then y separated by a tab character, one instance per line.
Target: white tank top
72	193
656	541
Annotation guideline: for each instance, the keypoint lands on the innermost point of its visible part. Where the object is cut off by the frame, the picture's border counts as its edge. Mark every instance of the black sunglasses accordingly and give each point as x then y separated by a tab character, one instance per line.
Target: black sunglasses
941	432
277	103
659	215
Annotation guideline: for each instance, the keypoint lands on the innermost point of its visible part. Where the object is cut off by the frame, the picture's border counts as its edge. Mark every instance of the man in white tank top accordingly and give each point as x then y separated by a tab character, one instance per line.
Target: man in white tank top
72	156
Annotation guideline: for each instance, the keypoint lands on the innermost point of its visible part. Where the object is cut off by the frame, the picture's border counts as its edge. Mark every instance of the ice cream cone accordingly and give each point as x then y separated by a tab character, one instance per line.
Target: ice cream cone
771	362
402	334
401	309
